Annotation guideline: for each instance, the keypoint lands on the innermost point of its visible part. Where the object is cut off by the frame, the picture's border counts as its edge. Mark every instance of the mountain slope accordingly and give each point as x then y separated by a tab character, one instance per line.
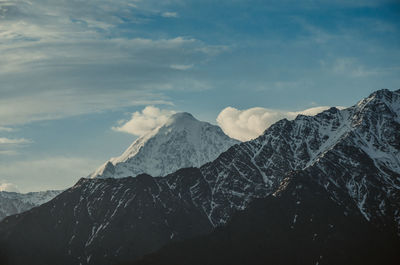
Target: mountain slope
101	221
14	203
298	224
352	154
181	142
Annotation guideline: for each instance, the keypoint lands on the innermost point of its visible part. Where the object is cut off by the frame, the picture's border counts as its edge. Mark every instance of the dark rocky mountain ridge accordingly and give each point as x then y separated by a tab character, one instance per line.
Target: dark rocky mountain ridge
100	221
298	224
353	155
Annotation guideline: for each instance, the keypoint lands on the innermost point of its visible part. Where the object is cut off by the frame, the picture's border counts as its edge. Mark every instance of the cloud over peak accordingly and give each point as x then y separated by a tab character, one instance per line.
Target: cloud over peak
248	124
144	121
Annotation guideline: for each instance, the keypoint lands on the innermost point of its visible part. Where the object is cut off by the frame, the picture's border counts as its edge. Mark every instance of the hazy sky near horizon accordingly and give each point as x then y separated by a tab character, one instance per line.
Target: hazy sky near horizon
73	74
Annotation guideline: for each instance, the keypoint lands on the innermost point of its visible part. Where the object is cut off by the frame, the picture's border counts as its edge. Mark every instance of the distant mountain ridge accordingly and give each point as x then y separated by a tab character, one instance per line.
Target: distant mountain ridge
181	142
352	155
14	202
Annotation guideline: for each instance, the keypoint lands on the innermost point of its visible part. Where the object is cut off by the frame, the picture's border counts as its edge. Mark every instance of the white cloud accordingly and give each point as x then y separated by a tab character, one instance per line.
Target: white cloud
45	173
248	124
145	121
4	141
170	14
8	187
115	74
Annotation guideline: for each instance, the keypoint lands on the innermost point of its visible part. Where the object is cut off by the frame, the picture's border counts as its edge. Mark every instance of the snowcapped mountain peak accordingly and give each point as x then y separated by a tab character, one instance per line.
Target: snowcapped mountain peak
183	141
181	121
384	93
381	97
181	117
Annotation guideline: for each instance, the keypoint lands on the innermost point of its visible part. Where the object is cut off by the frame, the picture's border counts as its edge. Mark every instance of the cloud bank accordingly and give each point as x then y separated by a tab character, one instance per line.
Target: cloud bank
248	124
145	121
8	187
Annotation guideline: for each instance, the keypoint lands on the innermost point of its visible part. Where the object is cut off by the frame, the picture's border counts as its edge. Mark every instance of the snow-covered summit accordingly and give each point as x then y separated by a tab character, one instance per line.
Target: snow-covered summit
182	141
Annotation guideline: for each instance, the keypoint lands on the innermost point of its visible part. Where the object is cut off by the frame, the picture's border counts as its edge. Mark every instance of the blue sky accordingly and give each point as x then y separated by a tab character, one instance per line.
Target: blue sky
71	70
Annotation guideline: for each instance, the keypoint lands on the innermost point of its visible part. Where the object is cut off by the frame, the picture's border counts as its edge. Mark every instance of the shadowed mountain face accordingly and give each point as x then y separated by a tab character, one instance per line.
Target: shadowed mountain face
298	224
352	154
103	221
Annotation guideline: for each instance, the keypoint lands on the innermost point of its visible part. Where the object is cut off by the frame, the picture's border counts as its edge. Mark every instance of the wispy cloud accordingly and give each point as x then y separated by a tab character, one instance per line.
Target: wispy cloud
5	141
170	14
76	57
352	67
182	67
11	146
6	129
8	152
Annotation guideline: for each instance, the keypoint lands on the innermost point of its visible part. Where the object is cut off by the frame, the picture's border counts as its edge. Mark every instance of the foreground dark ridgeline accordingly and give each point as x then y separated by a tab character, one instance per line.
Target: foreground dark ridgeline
299	224
102	221
351	157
